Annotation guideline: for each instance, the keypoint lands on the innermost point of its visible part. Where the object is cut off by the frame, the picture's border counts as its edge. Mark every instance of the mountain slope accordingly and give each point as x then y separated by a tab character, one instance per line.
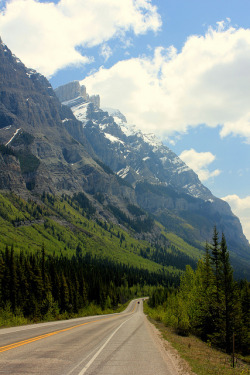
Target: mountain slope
164	185
128	178
44	156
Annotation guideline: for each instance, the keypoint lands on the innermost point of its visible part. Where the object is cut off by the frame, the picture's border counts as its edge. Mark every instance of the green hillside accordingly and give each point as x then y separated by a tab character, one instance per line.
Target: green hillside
62	226
58	260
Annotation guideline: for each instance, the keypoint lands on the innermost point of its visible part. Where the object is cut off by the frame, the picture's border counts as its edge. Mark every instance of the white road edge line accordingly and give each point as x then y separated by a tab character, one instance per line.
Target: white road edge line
85	368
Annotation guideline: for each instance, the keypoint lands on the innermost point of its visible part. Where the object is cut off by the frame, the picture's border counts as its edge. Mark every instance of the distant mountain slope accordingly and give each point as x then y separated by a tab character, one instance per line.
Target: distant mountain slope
47	150
164	185
128	178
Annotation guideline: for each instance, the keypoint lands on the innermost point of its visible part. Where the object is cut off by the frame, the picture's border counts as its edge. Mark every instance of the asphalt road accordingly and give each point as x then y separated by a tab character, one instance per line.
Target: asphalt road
118	344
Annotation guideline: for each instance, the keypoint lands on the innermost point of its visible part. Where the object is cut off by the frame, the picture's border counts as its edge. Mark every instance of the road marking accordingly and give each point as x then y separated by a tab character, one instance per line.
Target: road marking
85	368
28	341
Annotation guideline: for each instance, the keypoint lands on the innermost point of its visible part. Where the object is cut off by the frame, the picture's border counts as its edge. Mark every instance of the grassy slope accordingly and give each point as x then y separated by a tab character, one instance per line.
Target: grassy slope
61	227
183	246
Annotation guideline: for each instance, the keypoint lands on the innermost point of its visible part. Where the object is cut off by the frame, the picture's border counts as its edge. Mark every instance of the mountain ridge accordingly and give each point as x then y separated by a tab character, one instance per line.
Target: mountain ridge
143	159
129	178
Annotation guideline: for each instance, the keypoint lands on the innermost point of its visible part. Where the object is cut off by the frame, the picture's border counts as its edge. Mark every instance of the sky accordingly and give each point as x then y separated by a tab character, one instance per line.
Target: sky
176	68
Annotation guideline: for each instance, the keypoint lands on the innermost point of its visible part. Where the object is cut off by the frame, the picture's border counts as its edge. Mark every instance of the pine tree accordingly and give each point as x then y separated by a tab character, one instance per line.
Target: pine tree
2	271
216	260
13	279
207	297
227	284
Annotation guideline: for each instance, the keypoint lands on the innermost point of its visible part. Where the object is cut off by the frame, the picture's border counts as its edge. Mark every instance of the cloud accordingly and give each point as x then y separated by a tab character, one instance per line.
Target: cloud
45	35
198	161
241	208
105	52
207	82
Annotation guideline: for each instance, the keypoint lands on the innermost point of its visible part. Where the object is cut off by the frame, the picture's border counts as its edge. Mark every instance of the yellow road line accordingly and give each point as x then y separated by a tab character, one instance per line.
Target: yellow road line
28	341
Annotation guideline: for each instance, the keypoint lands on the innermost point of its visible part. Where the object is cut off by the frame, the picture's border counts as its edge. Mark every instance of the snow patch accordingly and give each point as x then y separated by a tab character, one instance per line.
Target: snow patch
176	161
152	140
113	139
210	200
79	109
127	129
16	132
183	168
123	172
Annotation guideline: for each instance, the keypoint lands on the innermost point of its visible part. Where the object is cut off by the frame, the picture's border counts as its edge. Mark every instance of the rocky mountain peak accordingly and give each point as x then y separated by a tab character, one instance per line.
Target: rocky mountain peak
130	153
73	90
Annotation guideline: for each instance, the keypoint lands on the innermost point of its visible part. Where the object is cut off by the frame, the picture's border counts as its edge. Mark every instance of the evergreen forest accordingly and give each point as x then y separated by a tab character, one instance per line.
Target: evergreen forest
58	261
209	302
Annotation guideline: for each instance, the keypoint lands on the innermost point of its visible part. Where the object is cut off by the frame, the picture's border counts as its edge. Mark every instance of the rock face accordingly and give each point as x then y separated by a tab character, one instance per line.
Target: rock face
70	91
164	185
73	90
47	149
77	147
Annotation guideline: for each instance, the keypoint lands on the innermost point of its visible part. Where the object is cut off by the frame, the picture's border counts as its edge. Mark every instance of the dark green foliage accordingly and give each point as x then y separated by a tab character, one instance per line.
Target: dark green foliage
99	197
28	162
30	185
138	225
23	138
135	210
159	296
36	284
210	303
5	150
166	257
84	203
122	181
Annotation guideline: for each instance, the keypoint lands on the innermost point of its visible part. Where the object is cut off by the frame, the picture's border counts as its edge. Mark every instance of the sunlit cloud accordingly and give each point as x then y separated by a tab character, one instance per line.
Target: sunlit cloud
241	208
207	82
45	35
199	162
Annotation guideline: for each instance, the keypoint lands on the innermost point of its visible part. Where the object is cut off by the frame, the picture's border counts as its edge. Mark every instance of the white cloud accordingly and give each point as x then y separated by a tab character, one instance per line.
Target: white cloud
105	52
45	35
241	208
205	83
199	161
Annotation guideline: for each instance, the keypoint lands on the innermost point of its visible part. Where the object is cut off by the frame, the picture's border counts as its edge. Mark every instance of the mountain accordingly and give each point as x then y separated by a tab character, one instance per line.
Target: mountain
74	147
45	152
164	185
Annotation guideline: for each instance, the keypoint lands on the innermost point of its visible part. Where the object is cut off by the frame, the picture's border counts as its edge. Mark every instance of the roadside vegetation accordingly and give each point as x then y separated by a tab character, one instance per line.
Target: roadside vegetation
202	358
210	305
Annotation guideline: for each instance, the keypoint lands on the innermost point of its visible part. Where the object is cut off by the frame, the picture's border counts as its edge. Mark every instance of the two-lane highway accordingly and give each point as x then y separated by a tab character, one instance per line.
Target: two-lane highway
118	344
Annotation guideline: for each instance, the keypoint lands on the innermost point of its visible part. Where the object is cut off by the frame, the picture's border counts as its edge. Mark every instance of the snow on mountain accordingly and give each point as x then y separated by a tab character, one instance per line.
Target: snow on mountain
132	154
16	132
113	139
79	106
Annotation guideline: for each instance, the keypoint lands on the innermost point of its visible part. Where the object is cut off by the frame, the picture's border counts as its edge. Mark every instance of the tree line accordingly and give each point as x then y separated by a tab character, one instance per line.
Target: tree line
39	285
209	302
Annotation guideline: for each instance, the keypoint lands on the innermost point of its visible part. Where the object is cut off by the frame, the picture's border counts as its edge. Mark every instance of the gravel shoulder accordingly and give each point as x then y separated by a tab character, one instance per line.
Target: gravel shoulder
176	364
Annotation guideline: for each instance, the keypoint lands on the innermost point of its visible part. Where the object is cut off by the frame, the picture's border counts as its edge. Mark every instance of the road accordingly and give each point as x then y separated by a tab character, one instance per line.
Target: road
120	344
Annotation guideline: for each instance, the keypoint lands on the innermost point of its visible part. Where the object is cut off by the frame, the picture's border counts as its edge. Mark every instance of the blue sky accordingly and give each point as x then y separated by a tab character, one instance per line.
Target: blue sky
176	68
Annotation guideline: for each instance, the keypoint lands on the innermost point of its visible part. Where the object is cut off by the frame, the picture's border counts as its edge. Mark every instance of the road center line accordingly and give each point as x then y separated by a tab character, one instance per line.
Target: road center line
101	349
28	341
33	339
